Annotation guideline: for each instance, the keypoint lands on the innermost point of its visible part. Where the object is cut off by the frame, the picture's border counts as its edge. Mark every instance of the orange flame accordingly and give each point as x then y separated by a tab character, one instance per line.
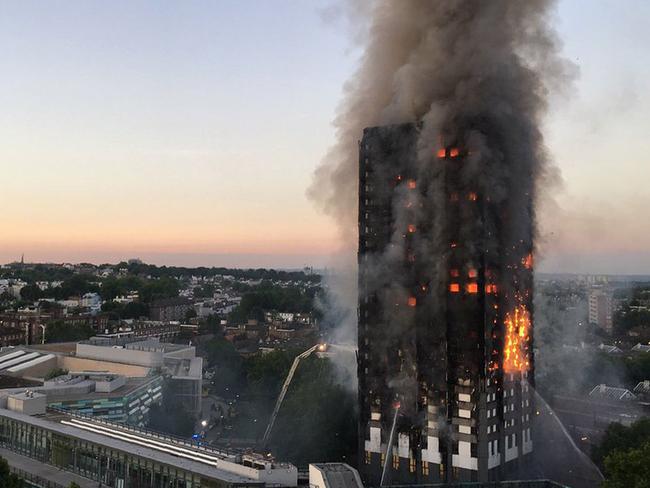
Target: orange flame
412	302
442	152
411	184
454	152
527	261
515	354
411	228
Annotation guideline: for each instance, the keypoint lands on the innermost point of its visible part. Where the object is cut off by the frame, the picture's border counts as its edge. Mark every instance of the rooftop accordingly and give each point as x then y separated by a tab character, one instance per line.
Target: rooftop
177	453
605	392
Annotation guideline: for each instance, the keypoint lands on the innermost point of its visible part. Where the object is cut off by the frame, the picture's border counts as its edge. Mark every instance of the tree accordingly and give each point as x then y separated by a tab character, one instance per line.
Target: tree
7	479
135	310
325	412
55	372
170	416
620	438
59	331
30	293
222	355
628	468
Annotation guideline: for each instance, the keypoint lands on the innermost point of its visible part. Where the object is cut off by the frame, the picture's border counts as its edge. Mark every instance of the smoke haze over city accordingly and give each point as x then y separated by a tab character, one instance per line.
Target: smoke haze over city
141	137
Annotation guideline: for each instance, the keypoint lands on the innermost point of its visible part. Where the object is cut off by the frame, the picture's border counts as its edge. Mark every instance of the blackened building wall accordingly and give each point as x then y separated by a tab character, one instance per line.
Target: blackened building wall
445	336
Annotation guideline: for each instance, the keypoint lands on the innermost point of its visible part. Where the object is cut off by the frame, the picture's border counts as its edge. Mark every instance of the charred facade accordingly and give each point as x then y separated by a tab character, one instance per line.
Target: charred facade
445	359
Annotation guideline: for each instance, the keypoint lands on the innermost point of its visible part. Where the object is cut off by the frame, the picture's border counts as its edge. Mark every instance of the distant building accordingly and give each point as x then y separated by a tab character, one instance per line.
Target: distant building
600	309
92	301
609	349
127	357
169	309
101	395
611	393
12	336
642	390
33	320
641	348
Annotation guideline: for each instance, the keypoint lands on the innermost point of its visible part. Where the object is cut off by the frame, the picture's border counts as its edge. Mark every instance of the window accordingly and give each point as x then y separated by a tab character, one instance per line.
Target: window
455	472
425	468
412	465
454	287
368	456
441	471
395	461
490	289
472	288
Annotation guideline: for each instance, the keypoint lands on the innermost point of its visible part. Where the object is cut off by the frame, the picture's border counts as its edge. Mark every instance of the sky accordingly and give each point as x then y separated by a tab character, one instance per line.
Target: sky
186	132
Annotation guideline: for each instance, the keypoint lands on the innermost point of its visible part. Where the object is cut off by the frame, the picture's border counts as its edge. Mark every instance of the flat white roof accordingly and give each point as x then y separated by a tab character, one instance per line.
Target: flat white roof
129	447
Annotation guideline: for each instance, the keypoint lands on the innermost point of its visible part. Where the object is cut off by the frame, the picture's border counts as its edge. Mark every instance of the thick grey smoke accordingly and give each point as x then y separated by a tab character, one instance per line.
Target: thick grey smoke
477	74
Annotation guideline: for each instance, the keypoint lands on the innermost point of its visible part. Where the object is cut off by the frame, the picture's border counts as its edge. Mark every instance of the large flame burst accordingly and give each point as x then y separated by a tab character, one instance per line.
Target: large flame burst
515	355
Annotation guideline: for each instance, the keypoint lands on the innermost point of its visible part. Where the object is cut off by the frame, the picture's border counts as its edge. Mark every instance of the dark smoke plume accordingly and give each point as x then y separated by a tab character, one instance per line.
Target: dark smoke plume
476	71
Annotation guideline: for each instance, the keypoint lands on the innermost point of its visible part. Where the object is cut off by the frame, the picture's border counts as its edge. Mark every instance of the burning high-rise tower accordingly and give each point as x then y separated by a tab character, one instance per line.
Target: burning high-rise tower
445	302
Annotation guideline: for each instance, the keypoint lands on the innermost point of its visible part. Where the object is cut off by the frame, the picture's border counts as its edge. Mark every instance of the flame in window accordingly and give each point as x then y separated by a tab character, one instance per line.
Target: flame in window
411	228
411	184
454	152
516	354
454	288
412	302
442	152
527	261
472	288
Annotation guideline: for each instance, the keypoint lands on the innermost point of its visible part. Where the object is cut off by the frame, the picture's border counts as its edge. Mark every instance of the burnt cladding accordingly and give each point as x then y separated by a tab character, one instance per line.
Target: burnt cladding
445	335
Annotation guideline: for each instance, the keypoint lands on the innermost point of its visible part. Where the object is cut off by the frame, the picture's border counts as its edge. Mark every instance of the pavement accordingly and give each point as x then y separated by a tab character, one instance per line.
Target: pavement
45	471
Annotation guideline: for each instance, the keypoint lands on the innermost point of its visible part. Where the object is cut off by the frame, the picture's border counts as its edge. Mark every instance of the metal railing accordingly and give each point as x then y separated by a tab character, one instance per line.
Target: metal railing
35	481
226	454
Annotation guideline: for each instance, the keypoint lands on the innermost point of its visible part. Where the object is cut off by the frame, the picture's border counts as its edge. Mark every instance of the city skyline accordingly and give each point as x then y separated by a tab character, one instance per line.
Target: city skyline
169	134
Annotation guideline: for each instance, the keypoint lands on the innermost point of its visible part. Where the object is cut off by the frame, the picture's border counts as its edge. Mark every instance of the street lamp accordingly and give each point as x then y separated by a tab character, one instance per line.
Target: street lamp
204	423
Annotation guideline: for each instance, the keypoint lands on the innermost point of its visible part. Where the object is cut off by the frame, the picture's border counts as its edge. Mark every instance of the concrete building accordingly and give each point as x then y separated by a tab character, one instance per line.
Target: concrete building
445	315
333	475
138	361
119	457
177	361
601	309
169	309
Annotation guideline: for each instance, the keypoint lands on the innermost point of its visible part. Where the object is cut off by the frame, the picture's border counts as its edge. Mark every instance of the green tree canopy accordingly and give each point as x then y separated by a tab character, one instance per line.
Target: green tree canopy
628	468
59	331
621	438
7	479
